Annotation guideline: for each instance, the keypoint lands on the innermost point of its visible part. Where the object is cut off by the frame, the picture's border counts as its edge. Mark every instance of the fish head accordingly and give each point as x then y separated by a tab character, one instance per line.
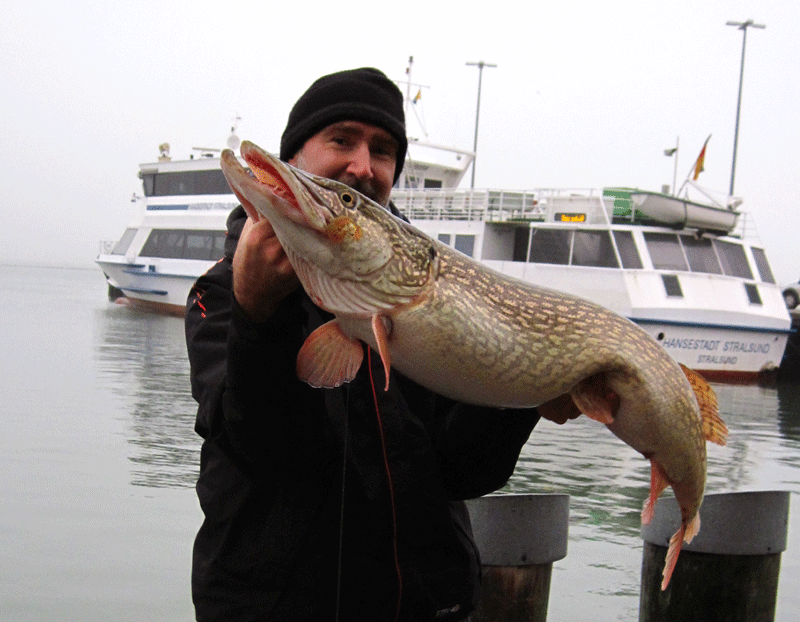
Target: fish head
351	254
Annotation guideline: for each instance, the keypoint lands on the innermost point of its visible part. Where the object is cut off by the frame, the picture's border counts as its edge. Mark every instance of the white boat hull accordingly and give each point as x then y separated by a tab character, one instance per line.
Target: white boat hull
153	285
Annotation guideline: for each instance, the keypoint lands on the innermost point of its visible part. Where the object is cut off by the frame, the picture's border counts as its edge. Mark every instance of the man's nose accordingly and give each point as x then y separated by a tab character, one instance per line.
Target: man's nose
361	162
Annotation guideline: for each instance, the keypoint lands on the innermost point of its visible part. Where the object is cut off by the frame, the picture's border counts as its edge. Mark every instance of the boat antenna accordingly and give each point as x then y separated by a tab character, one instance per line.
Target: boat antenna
411	102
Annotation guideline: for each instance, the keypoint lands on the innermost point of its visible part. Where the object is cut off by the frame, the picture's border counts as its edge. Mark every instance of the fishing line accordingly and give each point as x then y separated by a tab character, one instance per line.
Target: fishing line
391	485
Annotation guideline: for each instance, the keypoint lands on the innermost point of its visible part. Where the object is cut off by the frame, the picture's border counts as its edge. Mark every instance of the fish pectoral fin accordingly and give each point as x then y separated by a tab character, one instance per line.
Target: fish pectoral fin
329	358
381	329
595	399
714	428
658	482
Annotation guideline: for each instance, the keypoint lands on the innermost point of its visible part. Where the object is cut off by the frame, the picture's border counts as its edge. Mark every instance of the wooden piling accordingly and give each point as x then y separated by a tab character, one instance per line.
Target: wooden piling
519	537
729	571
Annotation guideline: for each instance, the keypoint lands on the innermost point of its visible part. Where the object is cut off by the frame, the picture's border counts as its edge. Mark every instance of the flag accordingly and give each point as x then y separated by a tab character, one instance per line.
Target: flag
418	96
698	166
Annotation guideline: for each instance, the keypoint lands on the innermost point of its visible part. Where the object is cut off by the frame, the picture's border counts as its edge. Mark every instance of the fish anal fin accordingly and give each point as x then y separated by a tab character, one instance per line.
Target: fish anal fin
329	358
692	528
675	545
381	329
714	428
595	400
658	482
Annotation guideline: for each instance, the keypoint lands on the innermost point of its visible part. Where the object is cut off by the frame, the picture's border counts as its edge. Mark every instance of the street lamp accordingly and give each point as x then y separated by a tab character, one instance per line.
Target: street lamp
743	26
674	152
480	65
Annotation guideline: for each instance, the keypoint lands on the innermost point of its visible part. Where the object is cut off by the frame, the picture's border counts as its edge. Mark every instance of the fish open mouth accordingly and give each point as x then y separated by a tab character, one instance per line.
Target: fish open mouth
270	178
266	172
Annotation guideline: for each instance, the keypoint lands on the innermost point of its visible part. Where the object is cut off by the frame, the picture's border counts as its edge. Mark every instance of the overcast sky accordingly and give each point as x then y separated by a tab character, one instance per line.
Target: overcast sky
584	95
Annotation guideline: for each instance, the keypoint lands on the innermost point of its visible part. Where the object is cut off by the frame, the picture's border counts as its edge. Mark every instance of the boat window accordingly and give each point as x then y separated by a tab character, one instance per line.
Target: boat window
184	183
672	285
433	183
521	239
121	247
198	245
184	244
465	244
593	248
733	259
665	251
762	264
752	293
627	250
444	238
219	245
701	255
550	246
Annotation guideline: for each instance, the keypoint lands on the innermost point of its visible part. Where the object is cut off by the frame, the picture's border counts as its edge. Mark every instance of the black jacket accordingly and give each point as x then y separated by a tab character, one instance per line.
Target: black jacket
283	538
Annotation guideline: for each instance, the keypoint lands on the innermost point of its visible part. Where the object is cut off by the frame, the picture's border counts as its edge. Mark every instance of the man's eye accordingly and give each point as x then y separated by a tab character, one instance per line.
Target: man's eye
385	150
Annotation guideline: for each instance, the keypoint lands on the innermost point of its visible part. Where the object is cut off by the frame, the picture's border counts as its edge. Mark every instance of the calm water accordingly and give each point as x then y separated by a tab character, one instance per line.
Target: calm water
98	459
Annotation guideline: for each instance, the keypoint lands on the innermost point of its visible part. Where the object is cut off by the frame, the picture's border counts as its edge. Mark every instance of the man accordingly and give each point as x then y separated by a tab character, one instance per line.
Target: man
335	504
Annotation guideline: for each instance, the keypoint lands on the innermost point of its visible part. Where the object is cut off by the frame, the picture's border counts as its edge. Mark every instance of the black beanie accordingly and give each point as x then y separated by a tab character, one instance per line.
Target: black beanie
364	94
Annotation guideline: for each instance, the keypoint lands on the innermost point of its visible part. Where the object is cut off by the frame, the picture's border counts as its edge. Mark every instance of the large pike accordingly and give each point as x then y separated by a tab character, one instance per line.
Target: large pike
473	334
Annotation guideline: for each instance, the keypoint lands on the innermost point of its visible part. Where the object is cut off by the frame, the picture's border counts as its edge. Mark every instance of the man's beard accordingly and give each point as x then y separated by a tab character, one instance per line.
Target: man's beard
364	187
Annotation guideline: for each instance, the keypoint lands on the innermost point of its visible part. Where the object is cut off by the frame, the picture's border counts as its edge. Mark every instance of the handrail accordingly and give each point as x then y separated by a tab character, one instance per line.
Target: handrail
497	205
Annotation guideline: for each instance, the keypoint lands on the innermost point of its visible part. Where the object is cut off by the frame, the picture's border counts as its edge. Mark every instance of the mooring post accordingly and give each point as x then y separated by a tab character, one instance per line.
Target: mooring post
729	571
519	537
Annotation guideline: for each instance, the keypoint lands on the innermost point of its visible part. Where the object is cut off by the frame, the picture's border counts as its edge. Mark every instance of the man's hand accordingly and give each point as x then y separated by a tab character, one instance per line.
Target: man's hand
559	410
262	274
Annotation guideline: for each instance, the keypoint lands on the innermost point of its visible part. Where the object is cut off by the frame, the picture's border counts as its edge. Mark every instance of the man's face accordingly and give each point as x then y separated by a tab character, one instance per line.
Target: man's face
358	154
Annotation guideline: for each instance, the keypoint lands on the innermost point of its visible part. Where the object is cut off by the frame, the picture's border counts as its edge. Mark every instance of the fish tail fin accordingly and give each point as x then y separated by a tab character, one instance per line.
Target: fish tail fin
658	482
714	428
675	545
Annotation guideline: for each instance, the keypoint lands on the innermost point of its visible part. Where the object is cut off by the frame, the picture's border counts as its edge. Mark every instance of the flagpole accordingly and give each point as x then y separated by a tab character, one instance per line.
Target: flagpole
743	27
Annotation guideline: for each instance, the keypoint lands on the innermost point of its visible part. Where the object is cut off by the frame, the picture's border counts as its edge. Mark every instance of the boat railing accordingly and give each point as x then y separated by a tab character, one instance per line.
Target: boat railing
106	246
746	229
541	205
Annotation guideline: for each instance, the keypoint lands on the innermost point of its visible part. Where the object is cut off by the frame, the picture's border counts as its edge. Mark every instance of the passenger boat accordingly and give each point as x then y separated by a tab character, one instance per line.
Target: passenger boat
691	274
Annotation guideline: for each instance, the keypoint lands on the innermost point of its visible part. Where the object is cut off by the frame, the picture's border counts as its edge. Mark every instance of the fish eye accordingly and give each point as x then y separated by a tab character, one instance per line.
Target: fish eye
348	198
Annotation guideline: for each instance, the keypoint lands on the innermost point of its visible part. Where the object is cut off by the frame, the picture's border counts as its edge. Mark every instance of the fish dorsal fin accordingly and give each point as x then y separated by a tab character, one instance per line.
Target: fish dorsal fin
714	428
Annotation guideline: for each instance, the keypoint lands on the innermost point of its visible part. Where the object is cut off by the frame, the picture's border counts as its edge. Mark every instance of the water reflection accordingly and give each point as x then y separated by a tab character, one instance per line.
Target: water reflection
141	359
789	411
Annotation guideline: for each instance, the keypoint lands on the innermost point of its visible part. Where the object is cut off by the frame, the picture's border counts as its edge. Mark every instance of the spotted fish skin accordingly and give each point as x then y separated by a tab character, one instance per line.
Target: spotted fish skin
473	334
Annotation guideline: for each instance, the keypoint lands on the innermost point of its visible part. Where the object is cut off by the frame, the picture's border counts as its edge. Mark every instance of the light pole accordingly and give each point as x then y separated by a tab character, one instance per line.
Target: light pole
743	26
674	152
480	65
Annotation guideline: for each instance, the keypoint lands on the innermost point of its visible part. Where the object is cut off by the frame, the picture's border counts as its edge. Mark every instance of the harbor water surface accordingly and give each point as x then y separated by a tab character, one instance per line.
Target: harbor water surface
98	459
